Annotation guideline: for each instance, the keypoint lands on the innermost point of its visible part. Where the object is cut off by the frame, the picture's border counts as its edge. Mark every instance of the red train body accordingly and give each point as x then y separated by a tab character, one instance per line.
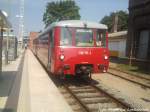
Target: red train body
73	47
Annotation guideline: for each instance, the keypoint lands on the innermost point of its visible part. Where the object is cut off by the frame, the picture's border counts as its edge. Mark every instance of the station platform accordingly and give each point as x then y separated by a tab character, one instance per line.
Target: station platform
26	87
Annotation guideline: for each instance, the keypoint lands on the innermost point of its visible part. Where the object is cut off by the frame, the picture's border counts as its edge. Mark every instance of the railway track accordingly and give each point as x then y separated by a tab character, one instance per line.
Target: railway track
89	98
139	80
139	76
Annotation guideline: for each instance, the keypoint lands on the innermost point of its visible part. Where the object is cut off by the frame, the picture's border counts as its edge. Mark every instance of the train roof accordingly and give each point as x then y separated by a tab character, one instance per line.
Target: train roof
80	23
75	23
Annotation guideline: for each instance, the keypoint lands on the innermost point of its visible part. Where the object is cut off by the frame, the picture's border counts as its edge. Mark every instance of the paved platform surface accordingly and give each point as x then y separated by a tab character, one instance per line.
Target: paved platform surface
7	80
26	87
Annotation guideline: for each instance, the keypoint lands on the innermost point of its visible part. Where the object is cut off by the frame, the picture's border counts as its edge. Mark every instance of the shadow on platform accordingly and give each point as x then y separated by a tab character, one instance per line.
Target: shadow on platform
10	83
6	82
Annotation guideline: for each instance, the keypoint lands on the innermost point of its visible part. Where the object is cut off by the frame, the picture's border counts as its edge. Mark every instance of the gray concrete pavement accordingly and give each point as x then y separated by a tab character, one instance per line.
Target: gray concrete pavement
7	80
26	87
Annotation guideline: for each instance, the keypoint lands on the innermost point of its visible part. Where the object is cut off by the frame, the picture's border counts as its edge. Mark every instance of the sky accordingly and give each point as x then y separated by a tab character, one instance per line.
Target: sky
92	10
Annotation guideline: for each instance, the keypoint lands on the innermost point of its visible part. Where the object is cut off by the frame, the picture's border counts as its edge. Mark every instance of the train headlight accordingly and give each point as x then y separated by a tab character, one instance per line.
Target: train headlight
62	57
105	57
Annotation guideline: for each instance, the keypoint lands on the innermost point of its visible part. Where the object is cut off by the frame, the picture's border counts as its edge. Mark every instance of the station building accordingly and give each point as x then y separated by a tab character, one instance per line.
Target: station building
138	41
4	24
117	44
10	44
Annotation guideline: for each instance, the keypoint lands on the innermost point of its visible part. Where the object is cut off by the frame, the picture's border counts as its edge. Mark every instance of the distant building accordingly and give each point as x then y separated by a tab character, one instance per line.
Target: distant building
32	36
138	41
117	44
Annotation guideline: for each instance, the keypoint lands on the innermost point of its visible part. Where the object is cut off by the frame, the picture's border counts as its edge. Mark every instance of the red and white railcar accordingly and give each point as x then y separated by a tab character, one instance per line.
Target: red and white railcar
73	47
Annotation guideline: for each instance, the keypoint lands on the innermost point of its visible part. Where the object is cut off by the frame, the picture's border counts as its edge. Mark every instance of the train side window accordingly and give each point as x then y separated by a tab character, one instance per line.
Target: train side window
66	37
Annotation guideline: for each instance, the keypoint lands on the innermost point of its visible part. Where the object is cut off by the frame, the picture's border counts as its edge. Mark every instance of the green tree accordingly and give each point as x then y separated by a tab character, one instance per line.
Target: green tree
122	20
61	10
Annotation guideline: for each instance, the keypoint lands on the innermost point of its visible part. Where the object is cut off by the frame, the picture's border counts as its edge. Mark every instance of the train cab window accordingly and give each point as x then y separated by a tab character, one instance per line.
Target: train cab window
66	37
84	37
101	38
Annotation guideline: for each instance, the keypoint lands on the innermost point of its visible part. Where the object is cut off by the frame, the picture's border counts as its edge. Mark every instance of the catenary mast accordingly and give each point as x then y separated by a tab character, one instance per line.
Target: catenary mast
21	24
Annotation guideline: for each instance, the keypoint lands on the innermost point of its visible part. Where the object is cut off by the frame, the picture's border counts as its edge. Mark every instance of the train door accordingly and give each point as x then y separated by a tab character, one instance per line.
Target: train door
143	44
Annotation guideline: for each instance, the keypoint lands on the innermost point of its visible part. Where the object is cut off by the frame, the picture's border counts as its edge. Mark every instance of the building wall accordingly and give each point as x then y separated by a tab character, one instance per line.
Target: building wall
117	47
117	44
133	3
139	21
122	48
32	36
139	30
11	43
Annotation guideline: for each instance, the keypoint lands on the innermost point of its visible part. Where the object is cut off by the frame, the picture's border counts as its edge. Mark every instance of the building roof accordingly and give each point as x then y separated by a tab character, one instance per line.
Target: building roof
3	20
117	34
33	34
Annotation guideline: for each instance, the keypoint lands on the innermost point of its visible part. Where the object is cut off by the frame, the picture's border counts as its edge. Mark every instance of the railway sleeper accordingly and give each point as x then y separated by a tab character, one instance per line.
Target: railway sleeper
96	100
81	87
84	91
96	96
101	106
88	95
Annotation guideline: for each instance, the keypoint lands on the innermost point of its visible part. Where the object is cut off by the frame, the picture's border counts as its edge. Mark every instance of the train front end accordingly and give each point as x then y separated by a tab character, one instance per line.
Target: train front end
82	50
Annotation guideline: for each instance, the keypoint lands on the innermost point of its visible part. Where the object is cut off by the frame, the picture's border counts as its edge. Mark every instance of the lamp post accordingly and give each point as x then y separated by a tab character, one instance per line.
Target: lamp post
1	45
20	32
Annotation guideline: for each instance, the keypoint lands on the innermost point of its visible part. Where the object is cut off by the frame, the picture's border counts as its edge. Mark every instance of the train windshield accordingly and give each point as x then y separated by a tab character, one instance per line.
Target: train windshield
84	37
101	38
